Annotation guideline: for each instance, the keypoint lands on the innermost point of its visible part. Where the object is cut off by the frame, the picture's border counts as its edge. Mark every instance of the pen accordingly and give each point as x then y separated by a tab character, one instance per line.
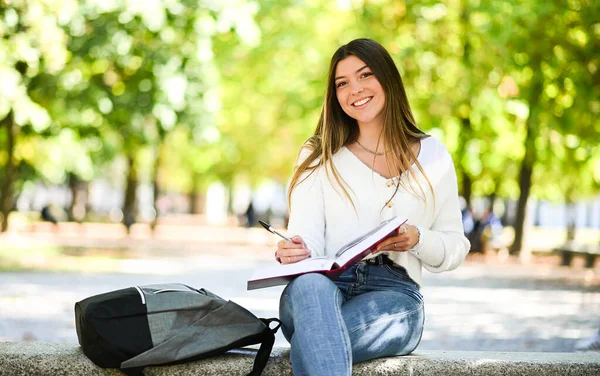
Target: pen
272	230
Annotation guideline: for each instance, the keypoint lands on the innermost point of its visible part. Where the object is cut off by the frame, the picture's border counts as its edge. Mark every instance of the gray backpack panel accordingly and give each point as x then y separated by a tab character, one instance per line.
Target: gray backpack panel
165	324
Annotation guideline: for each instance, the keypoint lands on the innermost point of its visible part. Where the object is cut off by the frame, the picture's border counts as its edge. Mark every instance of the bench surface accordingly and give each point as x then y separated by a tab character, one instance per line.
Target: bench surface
39	358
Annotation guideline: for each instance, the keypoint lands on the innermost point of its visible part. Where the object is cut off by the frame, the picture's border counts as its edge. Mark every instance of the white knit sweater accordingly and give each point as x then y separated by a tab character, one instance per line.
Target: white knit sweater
322	215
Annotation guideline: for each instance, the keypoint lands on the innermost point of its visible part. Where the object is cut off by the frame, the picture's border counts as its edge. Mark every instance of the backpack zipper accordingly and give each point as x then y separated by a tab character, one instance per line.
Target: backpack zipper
141	294
169	290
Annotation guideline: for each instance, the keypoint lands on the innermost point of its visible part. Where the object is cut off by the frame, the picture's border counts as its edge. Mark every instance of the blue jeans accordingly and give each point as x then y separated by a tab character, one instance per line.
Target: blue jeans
371	311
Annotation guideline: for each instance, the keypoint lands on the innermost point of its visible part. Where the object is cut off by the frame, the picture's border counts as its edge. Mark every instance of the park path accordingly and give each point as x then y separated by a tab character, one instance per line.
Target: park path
480	306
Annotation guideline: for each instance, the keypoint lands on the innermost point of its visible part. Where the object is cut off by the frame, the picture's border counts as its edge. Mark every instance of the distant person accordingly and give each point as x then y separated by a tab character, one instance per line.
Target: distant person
47	214
129	221
491	230
474	235
366	162
468	221
487	232
589	344
250	215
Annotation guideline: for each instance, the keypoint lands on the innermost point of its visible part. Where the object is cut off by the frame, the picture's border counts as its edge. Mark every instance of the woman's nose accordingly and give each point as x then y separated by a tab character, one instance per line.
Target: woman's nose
356	88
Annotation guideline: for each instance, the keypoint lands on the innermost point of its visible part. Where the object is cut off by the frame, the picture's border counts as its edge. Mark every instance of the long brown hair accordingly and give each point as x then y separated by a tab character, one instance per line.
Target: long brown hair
336	129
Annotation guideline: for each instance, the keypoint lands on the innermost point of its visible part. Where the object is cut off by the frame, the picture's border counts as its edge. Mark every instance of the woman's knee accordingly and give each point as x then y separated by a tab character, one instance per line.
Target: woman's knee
415	321
309	292
393	335
306	287
310	282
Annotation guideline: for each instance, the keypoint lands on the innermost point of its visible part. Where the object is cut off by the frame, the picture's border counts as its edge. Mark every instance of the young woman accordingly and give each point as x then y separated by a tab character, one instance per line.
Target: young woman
367	162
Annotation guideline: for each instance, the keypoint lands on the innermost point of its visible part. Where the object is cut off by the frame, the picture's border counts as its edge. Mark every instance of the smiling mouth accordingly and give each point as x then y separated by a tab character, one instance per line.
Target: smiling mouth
362	102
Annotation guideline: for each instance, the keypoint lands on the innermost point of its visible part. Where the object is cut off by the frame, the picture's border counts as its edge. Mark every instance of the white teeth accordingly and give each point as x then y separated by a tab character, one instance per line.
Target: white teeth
361	102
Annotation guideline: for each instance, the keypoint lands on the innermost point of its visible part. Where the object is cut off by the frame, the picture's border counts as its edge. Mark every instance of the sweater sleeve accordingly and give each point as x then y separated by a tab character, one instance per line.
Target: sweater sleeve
444	245
307	209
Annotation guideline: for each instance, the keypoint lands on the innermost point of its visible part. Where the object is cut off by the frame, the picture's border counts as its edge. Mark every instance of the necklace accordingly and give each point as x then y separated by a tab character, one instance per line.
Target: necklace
370	151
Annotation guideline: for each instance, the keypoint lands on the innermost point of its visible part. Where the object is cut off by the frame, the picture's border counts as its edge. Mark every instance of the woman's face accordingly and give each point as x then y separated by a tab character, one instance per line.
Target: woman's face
358	91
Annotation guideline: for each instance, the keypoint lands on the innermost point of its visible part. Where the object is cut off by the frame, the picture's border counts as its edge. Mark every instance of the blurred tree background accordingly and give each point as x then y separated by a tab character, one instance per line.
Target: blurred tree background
178	94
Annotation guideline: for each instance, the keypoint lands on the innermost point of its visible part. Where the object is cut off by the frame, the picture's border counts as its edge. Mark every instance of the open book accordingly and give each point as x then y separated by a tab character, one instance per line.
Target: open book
345	257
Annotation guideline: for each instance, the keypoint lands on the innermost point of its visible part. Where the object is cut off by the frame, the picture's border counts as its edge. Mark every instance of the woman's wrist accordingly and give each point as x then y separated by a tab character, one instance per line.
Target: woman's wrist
415	248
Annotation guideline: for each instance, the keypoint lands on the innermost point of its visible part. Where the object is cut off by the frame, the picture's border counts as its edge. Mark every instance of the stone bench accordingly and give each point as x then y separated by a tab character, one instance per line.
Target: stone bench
571	249
53	359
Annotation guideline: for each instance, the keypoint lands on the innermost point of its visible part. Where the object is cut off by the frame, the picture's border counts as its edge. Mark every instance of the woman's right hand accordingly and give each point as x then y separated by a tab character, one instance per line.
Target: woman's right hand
291	252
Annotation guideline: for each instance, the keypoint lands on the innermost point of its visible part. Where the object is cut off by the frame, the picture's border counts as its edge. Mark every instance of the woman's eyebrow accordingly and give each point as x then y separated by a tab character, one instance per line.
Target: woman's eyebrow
358	70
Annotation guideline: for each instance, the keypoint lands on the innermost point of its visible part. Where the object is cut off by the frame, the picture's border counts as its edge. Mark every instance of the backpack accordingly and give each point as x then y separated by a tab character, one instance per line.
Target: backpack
167	324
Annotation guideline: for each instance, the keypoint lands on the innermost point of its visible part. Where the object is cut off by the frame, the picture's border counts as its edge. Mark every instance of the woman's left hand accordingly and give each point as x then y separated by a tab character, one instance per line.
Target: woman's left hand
406	238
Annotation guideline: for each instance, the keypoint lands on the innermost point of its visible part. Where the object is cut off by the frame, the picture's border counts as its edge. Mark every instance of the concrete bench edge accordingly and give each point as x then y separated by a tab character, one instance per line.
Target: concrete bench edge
41	358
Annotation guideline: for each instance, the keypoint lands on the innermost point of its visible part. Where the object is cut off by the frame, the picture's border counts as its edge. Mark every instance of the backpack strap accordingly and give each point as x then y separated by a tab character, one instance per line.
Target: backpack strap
266	345
136	371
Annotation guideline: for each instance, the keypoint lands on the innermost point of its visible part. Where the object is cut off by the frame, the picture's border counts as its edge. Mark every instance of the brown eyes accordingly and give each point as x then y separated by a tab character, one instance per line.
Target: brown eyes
363	75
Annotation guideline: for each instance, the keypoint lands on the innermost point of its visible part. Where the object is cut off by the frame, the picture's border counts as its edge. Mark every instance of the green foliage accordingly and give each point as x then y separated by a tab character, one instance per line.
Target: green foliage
221	89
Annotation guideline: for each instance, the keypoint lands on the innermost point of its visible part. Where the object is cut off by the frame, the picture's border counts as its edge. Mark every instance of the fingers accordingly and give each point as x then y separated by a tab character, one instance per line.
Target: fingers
401	242
288	256
290	252
292	259
398	245
298	240
284	244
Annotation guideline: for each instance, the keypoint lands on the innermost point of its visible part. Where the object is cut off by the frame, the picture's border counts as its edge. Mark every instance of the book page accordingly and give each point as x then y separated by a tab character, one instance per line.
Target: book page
360	246
313	264
360	239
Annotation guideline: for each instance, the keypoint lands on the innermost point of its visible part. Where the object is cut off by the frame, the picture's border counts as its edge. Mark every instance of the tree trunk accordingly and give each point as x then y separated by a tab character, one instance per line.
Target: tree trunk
466	181
78	206
599	237
230	198
72	182
525	185
6	186
492	200
193	195
156	187
467	185
198	203
571	224
507	215
129	204
528	162
467	129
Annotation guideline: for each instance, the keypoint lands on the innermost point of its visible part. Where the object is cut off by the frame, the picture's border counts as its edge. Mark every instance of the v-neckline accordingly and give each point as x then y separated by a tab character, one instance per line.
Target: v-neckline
377	173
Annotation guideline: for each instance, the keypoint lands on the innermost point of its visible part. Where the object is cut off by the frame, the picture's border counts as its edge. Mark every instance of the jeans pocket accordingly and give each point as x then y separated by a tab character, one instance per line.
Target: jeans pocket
400	273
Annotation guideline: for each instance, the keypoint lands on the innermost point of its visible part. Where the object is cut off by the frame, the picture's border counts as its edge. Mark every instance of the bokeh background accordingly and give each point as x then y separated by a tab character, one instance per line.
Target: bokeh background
130	129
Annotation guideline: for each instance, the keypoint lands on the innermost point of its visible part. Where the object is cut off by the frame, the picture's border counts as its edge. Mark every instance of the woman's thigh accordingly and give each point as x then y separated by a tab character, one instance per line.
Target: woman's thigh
310	298
383	323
